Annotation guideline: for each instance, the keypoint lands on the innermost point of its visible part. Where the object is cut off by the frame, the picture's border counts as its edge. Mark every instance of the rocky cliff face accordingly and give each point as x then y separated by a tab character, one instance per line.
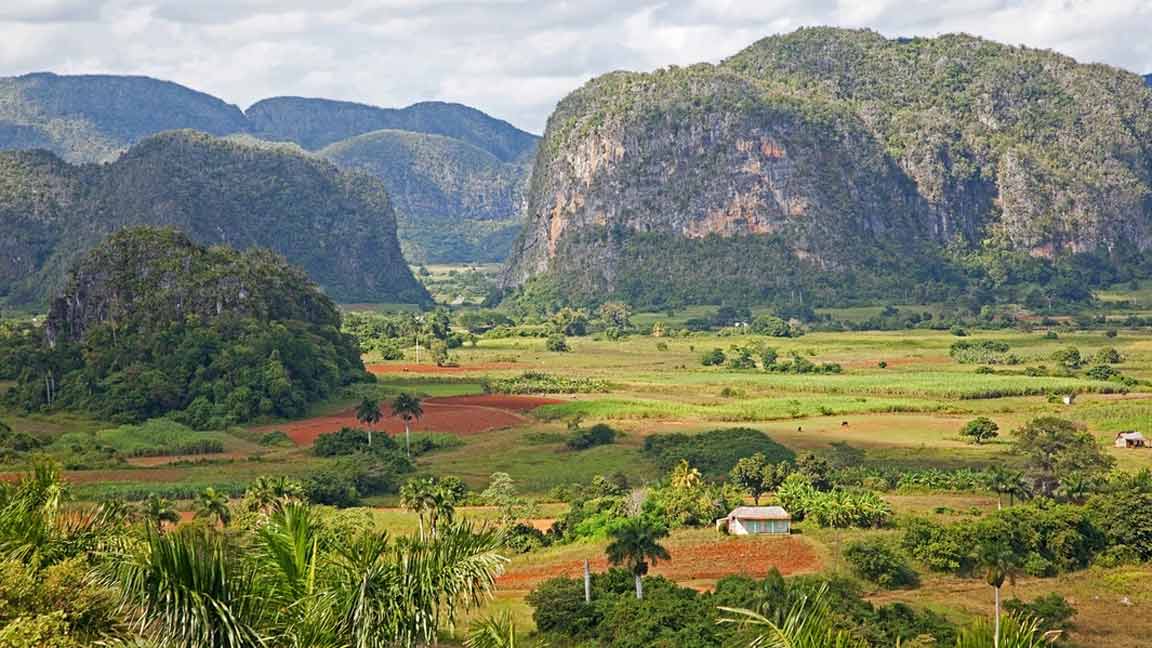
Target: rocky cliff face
338	226
147	277
843	149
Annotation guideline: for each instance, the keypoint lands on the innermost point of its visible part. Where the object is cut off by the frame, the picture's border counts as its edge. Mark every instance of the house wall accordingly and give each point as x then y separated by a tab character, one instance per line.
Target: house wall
757	527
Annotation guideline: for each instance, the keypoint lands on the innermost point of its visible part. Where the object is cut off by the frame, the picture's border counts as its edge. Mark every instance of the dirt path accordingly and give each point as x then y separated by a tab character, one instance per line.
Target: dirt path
462	415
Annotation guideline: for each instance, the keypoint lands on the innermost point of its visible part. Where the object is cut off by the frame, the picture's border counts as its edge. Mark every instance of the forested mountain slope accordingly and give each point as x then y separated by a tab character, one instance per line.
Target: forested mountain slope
338	226
830	163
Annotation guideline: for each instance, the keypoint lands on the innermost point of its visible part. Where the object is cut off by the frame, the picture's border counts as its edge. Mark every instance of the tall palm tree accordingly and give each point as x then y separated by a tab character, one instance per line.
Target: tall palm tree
419	496
271	494
408	408
635	544
1000	480
999	564
210	503
368	412
157	510
1014	633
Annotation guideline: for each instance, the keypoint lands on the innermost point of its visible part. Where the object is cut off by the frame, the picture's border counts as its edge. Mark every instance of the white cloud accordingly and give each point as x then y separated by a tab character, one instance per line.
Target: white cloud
511	58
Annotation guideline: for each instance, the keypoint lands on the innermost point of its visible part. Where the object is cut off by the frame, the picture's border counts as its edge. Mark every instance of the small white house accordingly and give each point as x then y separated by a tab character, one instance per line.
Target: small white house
757	520
1130	440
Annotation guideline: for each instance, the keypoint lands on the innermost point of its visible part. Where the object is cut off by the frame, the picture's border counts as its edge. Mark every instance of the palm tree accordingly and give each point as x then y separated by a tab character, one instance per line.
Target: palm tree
270	494
368	412
635	543
419	496
290	542
807	623
999	563
408	408
495	632
190	589
1015	633
158	510
210	503
1000	480
684	476
1076	487
399	593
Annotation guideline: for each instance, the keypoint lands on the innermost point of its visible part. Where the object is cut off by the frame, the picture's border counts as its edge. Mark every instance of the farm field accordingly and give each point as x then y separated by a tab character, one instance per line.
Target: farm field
899	403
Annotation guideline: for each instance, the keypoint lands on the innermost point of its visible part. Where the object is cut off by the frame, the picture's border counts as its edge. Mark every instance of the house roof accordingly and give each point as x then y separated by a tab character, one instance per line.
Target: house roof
759	513
1132	436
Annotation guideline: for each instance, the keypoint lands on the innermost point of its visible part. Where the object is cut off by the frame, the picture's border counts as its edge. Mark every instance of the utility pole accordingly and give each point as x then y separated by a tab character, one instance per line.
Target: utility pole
587	583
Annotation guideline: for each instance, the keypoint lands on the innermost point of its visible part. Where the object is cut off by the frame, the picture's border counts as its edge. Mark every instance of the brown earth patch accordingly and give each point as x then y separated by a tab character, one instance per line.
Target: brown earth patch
726	556
462	415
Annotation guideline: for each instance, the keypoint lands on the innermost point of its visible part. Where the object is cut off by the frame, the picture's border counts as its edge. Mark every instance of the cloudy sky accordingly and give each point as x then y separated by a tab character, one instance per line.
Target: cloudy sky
511	58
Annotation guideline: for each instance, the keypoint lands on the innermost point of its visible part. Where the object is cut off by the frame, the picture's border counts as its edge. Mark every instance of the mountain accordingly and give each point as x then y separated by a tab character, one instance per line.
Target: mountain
338	226
459	149
316	123
149	323
454	201
93	118
831	164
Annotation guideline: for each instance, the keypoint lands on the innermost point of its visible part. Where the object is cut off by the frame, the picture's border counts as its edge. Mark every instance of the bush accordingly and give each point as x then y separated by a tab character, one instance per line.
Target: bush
713	358
535	382
1052	611
557	343
880	563
350	441
714	452
988	352
584	438
275	438
980	429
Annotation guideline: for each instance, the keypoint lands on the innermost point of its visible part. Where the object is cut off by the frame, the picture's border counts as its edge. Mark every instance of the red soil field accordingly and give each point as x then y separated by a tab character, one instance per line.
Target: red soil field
726	556
390	368
462	415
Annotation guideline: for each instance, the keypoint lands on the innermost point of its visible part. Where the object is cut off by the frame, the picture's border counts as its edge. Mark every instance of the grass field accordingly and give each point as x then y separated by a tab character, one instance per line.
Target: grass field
906	414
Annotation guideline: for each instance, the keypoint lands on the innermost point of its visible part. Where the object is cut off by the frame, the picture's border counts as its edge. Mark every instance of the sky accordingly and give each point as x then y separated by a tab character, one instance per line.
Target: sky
513	59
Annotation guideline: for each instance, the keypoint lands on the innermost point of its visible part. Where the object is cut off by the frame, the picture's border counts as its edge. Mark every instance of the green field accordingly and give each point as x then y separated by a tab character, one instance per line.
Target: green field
906	414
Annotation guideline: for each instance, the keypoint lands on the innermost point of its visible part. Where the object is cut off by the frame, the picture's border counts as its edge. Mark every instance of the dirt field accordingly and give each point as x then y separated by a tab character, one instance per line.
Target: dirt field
698	561
463	415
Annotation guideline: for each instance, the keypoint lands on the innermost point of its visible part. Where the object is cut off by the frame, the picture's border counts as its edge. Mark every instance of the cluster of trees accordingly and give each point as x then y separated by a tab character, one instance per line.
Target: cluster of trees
753	356
282	574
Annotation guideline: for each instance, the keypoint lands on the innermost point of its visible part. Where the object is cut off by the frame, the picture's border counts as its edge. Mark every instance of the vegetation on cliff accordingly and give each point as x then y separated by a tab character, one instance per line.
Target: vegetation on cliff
829	164
339	227
151	324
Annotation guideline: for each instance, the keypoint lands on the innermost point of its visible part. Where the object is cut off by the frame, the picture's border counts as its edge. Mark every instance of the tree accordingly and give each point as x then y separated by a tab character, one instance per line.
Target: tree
808	622
418	495
980	429
995	558
684	476
635	544
408	408
270	494
1055	446
756	475
158	510
497	631
368	412
816	470
557	343
212	504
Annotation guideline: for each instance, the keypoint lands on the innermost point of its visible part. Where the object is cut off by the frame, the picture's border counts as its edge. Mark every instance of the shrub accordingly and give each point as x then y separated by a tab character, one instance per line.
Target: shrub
988	352
713	358
535	382
1108	356
275	438
1052	611
350	441
880	563
584	438
980	429
714	452
557	343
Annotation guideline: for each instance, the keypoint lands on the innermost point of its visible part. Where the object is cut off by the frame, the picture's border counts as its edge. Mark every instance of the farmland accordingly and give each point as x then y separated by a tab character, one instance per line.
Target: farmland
898	402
